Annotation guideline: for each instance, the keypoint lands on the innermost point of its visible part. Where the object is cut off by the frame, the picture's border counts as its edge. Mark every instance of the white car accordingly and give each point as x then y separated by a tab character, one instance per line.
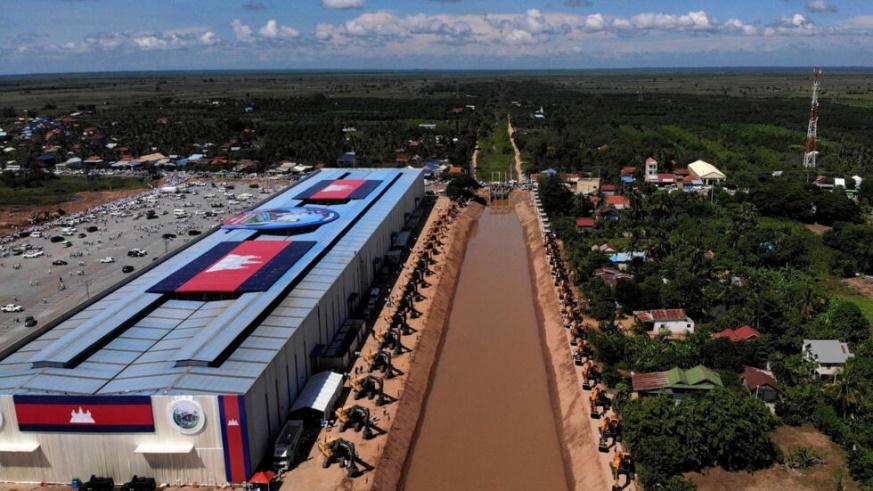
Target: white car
31	255
11	307
107	259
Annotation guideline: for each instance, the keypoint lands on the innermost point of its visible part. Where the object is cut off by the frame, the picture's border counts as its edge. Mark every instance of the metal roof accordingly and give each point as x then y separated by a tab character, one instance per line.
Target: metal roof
149	343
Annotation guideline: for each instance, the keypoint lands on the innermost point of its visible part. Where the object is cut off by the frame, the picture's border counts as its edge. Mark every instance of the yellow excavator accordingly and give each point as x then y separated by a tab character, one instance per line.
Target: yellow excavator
590	375
582	352
370	387
610	427
381	360
356	416
390	339
342	451
622	463
598	399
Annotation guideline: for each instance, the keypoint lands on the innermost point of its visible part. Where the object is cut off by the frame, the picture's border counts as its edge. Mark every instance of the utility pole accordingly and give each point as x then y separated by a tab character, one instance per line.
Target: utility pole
812	130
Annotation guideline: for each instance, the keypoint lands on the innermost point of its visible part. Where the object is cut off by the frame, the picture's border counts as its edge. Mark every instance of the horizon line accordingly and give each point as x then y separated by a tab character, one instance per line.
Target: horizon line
437	70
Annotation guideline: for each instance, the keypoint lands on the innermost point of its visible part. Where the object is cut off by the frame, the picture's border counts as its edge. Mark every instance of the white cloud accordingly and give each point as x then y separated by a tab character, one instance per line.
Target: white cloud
861	22
272	30
243	32
820	6
342	4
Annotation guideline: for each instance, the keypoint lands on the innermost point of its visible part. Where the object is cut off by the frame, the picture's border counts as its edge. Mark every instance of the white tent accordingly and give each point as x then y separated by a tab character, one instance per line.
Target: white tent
320	392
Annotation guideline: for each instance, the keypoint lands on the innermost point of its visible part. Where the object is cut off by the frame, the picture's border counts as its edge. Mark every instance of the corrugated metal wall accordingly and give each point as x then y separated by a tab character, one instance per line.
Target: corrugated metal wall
64	456
265	415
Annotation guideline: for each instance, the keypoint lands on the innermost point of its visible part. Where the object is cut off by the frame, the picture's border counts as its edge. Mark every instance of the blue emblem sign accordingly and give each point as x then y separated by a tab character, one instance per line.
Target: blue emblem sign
281	218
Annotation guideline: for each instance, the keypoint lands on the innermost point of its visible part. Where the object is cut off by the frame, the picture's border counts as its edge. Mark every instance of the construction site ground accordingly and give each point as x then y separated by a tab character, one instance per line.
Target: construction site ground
387	452
821	477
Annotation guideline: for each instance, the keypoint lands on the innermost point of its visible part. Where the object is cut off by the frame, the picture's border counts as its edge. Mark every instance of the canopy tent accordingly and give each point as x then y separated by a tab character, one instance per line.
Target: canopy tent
320	393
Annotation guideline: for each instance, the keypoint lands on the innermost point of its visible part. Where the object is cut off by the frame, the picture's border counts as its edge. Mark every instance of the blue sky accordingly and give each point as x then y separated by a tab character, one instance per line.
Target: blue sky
96	35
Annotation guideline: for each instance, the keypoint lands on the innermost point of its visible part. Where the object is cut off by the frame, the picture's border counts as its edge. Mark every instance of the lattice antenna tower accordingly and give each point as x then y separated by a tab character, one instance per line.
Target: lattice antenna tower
812	131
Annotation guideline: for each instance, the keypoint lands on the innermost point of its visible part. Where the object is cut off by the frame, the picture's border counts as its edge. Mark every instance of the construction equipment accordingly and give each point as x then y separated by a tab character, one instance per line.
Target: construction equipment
598	399
582	352
342	451
390	339
381	360
369	386
590	375
610	427
622	463
356	416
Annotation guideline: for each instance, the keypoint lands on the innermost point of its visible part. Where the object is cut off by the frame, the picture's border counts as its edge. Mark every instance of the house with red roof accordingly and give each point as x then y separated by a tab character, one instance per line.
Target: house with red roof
743	333
674	321
761	384
618	202
585	223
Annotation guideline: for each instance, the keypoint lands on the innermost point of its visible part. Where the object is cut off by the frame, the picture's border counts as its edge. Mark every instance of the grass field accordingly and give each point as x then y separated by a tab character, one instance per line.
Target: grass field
63	189
495	152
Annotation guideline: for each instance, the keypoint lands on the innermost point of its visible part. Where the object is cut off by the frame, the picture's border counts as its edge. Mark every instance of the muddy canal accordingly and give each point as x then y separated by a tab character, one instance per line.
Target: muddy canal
488	422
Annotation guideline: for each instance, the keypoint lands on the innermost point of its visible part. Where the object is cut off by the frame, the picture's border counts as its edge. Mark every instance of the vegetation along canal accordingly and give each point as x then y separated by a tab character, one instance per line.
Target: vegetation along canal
488	422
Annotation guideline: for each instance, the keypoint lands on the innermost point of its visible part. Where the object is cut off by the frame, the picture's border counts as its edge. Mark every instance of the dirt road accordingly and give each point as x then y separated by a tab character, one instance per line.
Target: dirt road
488	419
519	164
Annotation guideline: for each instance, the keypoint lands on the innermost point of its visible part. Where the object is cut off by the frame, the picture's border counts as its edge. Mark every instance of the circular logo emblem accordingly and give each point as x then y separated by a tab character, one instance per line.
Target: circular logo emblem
187	416
281	218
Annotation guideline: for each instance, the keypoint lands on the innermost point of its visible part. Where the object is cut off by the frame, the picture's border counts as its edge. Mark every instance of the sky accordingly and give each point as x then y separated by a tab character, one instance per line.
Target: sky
54	36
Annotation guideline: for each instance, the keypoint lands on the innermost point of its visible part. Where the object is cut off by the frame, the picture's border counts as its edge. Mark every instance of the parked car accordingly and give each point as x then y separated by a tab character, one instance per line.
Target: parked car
11	307
136	253
107	259
29	321
59	262
34	254
127	269
193	232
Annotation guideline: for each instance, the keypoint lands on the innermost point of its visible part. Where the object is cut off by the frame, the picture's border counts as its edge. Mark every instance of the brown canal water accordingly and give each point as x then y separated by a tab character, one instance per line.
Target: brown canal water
488	422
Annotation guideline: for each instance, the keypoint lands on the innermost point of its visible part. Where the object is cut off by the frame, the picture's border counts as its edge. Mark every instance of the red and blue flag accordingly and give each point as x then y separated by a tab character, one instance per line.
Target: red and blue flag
235	266
97	414
339	189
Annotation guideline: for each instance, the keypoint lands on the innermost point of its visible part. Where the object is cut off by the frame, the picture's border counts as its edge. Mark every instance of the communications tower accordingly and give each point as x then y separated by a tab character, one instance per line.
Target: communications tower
812	131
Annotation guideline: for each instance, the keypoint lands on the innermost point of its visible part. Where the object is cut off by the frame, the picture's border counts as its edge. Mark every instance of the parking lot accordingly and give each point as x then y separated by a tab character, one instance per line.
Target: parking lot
45	290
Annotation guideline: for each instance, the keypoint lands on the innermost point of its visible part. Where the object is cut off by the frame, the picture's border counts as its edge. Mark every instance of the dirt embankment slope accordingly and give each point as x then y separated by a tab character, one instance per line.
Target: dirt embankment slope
389	473
587	468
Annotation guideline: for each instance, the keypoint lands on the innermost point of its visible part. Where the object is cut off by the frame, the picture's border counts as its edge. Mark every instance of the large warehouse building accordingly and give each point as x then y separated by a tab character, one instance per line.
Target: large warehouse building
187	372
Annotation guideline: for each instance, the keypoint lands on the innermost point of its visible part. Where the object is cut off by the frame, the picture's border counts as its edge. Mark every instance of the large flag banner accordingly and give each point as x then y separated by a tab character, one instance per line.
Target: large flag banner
97	414
339	189
234	436
233	266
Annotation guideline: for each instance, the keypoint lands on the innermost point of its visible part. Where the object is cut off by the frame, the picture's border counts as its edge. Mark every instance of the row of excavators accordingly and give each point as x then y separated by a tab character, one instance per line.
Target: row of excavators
582	352
388	340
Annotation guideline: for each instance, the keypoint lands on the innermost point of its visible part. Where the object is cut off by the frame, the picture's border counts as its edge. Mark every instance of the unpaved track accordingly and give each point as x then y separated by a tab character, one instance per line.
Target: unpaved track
519	164
588	469
488	421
